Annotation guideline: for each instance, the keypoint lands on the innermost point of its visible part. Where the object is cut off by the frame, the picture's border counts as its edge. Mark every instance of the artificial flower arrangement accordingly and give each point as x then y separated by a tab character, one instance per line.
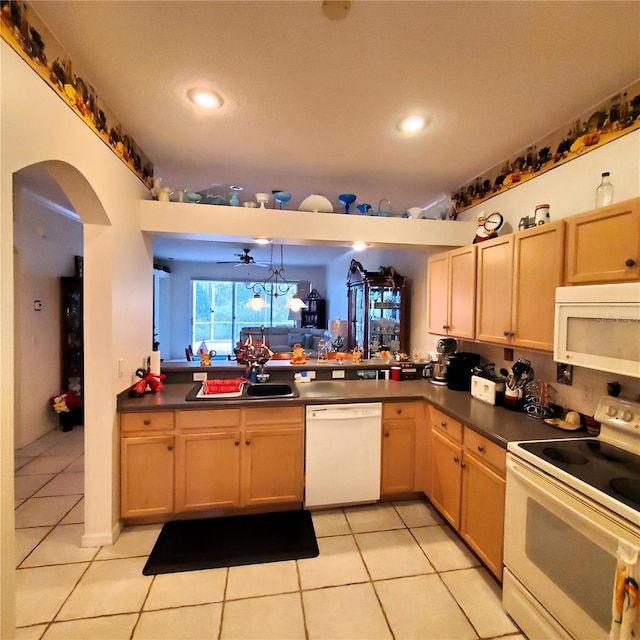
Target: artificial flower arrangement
65	402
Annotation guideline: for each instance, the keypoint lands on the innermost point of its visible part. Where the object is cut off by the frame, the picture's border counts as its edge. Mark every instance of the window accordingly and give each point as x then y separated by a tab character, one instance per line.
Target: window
219	312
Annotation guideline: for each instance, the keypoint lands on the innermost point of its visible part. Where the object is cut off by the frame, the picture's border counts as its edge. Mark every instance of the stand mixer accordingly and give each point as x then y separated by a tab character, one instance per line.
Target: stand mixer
444	347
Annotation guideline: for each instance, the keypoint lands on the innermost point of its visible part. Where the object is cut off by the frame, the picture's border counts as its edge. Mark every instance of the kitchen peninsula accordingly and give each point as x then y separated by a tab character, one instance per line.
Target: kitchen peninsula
222	456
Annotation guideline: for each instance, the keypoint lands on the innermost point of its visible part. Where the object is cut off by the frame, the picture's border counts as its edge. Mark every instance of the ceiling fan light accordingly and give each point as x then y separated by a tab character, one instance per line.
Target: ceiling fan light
205	98
257	303
262	241
359	246
295	303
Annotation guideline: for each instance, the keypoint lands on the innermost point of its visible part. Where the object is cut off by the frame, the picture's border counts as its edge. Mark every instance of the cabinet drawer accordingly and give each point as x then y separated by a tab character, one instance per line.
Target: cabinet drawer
150	421
275	415
443	422
212	418
484	449
398	410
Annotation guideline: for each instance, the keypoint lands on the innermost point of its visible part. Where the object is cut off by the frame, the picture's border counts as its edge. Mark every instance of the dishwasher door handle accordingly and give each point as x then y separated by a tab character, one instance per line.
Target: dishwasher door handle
342	414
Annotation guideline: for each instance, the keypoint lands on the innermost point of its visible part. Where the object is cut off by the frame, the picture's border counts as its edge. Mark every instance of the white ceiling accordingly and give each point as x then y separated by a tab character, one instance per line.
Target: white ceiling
311	103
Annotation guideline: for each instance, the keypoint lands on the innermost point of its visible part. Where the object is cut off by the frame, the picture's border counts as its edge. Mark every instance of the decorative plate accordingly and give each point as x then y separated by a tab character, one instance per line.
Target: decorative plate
316	203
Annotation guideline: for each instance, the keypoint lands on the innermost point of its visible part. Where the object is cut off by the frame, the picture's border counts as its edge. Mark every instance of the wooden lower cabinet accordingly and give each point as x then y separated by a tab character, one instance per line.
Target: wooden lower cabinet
223	458
208	470
398	448
468	486
147	475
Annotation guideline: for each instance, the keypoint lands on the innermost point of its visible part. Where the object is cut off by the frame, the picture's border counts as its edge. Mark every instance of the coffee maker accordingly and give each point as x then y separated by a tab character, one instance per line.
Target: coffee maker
444	347
459	367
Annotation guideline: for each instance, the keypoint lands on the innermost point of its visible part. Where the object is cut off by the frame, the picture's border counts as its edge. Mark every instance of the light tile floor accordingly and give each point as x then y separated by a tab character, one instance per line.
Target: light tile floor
392	570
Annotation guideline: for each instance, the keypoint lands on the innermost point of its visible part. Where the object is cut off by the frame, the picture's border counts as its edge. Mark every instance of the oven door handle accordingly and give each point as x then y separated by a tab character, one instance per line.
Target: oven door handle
523	473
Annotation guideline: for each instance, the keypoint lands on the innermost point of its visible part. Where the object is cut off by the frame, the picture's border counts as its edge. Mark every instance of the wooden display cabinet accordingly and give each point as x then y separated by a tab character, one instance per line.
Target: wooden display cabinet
72	344
378	310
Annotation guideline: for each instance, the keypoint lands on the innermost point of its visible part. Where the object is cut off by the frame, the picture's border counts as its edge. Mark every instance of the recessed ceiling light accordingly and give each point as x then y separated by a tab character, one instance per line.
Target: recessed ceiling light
359	246
262	241
205	98
412	124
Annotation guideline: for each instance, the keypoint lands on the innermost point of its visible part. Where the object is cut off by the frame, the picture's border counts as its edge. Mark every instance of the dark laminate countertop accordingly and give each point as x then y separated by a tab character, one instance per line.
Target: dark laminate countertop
496	423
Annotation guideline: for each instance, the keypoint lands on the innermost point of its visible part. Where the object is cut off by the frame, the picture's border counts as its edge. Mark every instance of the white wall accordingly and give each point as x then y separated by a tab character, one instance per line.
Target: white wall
568	189
46	242
38	127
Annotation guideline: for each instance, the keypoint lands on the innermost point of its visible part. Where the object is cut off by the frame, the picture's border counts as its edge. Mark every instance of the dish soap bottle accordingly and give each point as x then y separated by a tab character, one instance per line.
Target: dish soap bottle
604	192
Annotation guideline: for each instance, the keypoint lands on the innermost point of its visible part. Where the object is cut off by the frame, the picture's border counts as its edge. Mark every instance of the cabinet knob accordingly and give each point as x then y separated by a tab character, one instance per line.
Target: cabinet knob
398	411
443	424
170	447
630	262
386	435
456	460
480	448
508	334
463	465
146	423
237	443
247	442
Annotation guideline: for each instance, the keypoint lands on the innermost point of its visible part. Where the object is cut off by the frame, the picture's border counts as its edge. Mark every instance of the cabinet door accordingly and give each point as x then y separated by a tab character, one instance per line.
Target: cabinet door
494	284
146	475
482	522
538	270
462	292
446	488
273	465
208	470
398	456
604	245
438	293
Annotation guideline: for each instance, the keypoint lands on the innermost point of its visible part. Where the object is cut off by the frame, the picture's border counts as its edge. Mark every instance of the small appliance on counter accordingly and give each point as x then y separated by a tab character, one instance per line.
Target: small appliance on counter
489	390
444	347
459	367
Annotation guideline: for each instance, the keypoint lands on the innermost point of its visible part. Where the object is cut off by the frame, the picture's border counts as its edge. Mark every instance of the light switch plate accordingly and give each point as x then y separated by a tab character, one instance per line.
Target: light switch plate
338	374
199	376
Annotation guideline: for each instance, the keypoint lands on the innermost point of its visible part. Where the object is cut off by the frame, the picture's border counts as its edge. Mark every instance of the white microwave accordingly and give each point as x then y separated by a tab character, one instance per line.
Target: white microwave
598	327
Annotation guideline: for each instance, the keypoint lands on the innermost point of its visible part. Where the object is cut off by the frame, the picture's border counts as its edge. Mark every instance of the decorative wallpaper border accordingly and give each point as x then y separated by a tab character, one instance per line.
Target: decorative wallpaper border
613	118
22	29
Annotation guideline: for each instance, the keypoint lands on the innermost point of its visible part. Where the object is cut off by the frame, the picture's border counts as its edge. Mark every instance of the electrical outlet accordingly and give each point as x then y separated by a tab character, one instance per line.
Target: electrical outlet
199	376
337	374
120	368
587	393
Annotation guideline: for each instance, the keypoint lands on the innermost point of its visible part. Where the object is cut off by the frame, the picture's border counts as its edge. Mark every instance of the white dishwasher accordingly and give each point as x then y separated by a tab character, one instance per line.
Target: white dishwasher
342	454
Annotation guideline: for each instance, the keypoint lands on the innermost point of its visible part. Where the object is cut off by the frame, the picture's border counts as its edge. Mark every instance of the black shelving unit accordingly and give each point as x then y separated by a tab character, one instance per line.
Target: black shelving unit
72	345
315	316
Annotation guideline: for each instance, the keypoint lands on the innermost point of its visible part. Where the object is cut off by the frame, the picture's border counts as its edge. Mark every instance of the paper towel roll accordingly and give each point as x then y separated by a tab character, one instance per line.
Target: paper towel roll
154	362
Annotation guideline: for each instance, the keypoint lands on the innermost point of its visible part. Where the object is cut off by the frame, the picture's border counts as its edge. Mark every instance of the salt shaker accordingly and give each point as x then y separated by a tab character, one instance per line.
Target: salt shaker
604	192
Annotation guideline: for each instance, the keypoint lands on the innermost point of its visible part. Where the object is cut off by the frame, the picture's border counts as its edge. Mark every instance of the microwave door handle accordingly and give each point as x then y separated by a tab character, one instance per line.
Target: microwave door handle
586	524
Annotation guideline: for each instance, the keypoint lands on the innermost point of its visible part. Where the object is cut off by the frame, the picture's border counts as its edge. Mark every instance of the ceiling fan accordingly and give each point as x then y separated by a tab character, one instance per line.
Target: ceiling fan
244	259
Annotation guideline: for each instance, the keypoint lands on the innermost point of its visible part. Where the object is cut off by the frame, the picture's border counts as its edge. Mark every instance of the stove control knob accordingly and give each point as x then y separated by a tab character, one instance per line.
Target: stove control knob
611	411
627	416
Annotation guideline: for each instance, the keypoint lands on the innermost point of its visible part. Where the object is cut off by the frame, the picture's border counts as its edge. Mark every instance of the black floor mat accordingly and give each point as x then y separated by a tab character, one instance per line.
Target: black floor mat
189	545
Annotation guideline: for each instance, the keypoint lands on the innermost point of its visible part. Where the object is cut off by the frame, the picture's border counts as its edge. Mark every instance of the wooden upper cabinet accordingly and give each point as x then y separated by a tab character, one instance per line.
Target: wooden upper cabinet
494	290
517	279
537	271
604	245
438	293
451	293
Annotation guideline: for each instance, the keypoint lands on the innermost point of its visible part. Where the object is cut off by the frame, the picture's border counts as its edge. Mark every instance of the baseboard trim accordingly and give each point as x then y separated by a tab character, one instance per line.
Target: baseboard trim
102	539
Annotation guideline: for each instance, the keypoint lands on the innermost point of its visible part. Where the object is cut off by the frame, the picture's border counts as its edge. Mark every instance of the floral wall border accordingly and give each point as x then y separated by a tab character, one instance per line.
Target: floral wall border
22	29
613	118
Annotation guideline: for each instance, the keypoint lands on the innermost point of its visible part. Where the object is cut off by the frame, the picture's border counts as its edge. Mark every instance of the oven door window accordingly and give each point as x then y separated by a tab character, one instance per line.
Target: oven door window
582	569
